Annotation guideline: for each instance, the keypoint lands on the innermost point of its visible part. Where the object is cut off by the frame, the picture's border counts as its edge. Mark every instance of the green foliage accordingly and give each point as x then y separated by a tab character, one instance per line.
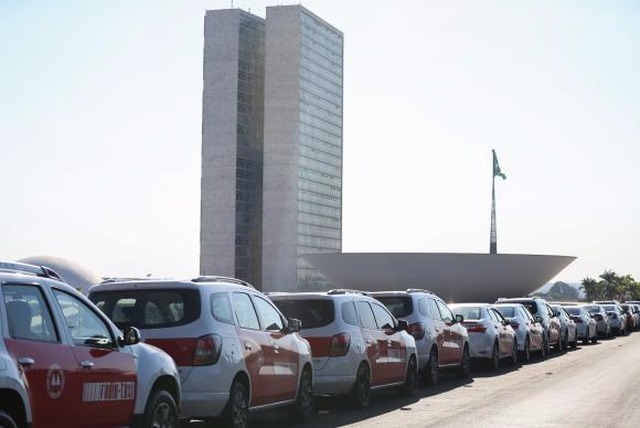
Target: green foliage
611	286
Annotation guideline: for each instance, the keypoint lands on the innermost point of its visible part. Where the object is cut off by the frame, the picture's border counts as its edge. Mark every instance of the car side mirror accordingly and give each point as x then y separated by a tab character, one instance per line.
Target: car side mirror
293	325
131	336
402	325
538	319
459	318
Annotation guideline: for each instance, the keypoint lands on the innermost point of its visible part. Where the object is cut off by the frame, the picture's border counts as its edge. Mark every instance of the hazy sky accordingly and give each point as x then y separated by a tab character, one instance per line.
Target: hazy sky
100	121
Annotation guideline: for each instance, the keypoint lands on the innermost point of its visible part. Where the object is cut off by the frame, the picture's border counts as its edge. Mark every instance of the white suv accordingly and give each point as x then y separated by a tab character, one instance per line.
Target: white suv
441	339
234	349
63	363
357	344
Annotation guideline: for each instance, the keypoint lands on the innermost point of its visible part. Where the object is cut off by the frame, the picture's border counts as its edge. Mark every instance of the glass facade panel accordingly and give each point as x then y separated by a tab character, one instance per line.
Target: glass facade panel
320	148
249	161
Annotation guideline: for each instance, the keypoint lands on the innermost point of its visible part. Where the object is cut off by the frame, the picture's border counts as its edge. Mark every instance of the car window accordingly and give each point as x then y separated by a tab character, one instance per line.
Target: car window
221	308
270	317
507	311
468	312
399	306
433	309
497	315
423	308
574	311
149	308
527	315
86	327
384	319
366	315
312	313
245	312
549	311
28	315
445	313
349	313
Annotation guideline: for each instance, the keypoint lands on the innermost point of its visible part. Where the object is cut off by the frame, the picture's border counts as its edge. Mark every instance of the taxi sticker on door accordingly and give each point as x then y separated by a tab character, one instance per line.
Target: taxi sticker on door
108	391
55	381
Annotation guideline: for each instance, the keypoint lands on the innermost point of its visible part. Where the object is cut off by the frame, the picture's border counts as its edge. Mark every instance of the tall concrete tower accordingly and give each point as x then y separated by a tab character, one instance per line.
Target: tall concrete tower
302	200
232	145
271	146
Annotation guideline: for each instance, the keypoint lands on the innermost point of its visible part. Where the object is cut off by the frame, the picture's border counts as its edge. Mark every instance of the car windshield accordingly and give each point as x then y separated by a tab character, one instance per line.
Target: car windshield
610	308
313	313
399	306
592	309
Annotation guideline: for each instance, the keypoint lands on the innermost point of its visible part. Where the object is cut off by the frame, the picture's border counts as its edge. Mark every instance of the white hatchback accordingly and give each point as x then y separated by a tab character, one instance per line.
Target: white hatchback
357	344
235	351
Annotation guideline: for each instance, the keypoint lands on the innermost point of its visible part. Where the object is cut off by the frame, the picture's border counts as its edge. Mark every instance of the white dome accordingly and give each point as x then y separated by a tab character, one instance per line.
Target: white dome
72	273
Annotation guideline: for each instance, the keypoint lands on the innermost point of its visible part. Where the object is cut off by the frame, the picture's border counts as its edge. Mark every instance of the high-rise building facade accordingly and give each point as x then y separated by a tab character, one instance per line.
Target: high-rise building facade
302	211
232	145
272	146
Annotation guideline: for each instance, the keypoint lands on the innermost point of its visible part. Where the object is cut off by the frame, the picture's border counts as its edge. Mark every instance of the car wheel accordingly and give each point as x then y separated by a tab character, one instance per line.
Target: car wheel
6	421
526	354
236	414
305	406
559	344
514	353
161	411
545	348
361	392
410	378
565	342
465	364
594	339
494	362
431	373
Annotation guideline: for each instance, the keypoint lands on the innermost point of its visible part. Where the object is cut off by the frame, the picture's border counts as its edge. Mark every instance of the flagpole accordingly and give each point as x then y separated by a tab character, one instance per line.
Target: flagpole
493	239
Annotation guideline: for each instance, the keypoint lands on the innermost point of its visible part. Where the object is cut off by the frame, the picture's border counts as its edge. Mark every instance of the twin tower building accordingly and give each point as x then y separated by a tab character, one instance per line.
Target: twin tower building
271	146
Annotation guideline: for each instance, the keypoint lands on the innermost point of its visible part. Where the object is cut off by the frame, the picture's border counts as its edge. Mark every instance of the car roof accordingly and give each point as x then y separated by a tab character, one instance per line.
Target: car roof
471	305
148	284
331	294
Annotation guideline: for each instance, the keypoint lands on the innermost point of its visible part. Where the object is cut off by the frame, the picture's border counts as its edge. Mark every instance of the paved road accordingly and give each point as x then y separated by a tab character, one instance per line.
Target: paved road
593	386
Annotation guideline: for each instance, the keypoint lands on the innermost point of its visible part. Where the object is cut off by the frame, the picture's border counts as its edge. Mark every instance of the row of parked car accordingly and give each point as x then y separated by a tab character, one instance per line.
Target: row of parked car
230	349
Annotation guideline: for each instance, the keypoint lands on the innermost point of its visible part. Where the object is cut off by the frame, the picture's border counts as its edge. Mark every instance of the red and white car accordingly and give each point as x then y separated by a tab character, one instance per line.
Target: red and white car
357	344
64	364
234	350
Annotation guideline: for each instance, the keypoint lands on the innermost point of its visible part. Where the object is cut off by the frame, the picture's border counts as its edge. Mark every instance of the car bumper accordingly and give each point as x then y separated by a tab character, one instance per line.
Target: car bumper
332	385
480	345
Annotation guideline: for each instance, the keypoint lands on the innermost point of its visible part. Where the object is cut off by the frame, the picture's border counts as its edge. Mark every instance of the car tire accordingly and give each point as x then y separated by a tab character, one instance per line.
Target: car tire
494	362
161	411
565	342
526	353
545	348
304	407
410	378
594	339
361	392
6	421
464	371
236	413
514	353
558	346
431	373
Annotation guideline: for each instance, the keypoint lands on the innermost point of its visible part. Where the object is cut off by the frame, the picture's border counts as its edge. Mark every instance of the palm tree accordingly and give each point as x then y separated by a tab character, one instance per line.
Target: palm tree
610	284
591	288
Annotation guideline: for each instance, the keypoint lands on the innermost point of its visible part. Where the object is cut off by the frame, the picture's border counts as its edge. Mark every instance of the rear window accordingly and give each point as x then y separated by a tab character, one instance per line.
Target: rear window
573	311
399	306
592	309
507	311
469	313
312	313
149	308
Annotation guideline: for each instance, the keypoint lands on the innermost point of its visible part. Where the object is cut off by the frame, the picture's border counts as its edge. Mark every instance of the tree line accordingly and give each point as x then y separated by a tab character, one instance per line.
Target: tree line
611	286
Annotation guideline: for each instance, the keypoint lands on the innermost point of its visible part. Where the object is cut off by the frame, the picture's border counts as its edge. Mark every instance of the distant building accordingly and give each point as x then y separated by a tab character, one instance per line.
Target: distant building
271	145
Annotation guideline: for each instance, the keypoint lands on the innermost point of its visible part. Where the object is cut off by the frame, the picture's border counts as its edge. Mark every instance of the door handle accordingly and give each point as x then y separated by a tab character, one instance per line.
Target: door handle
26	361
86	364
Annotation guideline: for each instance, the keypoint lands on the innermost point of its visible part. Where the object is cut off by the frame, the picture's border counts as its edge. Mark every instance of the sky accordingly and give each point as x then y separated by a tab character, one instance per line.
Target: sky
100	129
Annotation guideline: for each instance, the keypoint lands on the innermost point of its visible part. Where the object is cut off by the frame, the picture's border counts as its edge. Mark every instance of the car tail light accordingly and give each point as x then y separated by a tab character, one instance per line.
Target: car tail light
339	345
207	350
475	328
416	330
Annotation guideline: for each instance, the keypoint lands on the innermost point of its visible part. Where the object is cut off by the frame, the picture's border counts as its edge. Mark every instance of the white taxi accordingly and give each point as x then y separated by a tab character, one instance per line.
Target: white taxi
64	364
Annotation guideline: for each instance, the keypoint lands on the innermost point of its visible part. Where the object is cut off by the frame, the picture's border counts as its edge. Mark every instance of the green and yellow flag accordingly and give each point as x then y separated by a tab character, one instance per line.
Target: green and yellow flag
496	167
